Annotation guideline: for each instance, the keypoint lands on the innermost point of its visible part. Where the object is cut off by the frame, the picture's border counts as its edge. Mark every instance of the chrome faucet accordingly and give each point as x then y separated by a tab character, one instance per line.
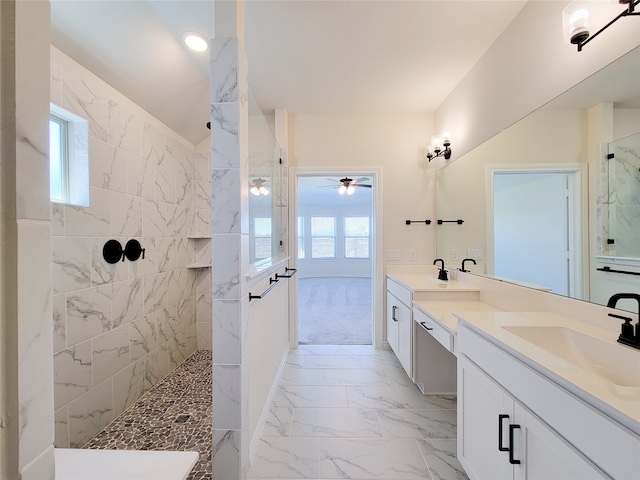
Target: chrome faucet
628	336
467	260
442	275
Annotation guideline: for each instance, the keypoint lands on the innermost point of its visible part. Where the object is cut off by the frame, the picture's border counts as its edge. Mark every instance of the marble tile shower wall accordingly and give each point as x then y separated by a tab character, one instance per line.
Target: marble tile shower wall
620	187
121	328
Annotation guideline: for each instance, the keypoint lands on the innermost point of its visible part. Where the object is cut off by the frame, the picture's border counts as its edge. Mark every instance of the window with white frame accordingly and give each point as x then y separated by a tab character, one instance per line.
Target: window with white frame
58	160
68	157
356	237
323	237
300	237
262	238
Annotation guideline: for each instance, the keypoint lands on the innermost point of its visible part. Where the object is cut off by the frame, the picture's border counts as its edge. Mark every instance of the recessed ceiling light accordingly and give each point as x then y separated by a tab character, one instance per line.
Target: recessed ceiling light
195	41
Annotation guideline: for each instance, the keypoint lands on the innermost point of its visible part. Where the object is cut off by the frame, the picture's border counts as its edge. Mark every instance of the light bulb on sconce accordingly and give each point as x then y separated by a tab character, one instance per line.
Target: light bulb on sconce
576	19
440	145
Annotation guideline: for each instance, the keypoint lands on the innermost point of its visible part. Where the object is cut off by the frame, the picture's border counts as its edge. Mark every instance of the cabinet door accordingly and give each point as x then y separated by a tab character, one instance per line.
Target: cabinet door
405	325
544	455
392	322
484	415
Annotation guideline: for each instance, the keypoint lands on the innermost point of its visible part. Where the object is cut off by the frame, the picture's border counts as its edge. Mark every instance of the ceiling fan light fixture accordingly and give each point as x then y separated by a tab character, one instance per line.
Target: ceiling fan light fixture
195	41
342	189
350	190
258	187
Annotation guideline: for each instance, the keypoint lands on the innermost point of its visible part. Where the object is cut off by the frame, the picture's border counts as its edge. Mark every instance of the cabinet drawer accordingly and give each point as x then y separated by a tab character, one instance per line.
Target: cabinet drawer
437	331
401	292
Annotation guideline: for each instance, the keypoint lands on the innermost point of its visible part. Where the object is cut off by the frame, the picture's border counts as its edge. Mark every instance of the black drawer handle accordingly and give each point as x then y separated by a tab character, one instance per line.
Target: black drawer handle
425	326
512	460
393	313
500	447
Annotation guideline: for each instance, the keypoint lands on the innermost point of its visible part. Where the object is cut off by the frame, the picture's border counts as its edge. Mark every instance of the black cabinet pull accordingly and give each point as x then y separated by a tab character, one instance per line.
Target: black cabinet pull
425	326
512	460
393	313
500	447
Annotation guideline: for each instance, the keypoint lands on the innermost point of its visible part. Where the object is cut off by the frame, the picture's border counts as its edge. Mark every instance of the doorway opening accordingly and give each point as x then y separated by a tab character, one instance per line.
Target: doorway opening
535	231
335	228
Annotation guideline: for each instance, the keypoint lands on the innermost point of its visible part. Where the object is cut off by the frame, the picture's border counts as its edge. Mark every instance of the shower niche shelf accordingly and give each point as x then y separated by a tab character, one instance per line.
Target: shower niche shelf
198	266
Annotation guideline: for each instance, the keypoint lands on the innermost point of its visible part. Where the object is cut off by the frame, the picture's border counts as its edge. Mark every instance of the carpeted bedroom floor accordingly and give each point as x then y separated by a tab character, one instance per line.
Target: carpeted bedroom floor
334	311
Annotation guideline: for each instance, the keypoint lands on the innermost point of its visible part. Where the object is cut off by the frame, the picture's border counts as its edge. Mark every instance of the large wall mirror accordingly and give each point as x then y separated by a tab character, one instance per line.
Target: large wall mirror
267	210
553	202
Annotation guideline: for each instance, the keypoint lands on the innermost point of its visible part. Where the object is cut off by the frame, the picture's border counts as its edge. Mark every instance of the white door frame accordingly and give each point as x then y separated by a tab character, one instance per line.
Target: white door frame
579	234
376	244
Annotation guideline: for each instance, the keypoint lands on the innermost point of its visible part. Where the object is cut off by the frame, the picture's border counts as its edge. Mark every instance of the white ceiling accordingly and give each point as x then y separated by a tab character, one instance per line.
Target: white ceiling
308	56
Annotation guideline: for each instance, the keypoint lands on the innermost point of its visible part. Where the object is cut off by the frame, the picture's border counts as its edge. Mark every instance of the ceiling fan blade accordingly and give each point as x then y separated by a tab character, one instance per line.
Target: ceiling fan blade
361	179
360	185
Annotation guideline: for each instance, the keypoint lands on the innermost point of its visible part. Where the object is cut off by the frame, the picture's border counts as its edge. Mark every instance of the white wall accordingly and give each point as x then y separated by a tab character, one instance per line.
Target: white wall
268	344
396	143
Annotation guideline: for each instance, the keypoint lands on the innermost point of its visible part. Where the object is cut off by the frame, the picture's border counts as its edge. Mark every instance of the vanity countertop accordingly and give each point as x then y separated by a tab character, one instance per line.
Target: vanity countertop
584	359
442	310
422	282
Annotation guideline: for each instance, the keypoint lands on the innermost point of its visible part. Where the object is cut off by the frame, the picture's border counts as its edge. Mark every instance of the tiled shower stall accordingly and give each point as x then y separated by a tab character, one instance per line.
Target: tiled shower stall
120	328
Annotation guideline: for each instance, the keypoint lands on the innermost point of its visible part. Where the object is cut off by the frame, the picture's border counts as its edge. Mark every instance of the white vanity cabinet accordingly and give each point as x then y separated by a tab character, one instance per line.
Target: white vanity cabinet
514	423
400	323
499	439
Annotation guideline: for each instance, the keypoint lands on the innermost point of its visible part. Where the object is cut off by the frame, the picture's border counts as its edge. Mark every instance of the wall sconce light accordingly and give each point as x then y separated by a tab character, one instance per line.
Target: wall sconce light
258	186
575	20
440	145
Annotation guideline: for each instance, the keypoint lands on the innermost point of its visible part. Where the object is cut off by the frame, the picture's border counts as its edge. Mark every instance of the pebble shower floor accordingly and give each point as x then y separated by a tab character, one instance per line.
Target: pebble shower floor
173	415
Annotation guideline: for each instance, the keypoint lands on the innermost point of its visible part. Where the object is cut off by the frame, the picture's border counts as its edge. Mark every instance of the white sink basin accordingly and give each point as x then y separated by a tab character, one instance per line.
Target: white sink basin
612	363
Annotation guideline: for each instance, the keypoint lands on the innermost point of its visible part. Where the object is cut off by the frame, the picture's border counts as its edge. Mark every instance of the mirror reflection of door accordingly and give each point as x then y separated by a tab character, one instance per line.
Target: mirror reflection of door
533	227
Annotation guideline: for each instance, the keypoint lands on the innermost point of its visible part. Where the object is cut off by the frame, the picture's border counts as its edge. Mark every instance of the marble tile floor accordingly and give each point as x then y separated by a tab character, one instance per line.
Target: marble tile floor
350	411
173	415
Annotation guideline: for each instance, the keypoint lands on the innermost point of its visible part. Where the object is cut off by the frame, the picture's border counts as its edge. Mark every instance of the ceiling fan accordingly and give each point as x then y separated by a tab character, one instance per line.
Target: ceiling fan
347	184
258	186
